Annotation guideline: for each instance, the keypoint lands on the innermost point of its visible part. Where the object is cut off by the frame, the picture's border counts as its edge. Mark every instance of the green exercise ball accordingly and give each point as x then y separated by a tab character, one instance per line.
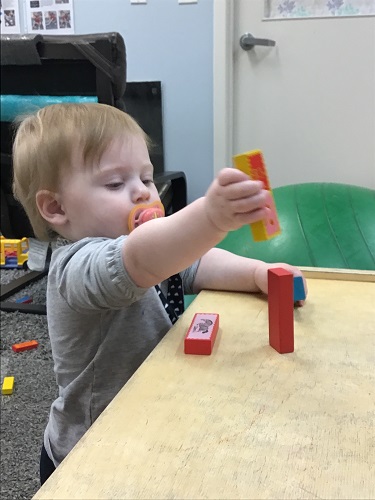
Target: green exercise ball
322	225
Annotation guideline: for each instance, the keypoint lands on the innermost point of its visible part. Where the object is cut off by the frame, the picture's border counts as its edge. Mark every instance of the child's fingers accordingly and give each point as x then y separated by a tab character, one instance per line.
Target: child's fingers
242	190
231	175
251	216
249	203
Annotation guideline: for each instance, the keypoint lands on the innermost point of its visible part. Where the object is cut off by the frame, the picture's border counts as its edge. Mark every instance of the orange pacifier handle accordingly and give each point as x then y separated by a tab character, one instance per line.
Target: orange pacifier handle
145	212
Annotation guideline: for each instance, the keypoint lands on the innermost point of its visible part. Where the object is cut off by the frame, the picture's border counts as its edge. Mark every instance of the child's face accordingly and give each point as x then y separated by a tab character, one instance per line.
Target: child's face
97	201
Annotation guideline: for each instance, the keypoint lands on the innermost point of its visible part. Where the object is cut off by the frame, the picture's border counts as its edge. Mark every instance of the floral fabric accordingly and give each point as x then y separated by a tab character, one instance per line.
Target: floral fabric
280	9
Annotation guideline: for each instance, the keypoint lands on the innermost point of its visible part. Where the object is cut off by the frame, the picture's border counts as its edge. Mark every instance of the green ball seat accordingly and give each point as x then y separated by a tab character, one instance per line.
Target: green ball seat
322	225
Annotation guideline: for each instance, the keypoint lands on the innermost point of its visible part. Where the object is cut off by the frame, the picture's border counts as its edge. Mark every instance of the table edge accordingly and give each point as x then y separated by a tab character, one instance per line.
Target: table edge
338	274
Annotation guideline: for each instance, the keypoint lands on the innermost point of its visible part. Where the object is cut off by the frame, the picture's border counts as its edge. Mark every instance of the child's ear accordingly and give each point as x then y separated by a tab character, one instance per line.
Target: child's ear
50	208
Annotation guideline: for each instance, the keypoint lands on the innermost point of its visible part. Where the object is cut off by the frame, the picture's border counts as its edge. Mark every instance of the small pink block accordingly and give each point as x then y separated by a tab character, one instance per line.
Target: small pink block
272	225
201	335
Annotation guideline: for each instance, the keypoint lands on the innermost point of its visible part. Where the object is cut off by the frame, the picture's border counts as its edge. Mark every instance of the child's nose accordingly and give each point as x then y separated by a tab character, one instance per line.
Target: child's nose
140	193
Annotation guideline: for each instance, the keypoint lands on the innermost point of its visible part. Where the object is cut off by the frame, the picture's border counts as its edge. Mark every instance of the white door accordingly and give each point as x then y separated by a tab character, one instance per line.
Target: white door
308	103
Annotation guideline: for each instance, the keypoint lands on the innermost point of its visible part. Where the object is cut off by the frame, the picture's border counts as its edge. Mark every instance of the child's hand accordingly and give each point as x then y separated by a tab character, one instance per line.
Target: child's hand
233	200
261	276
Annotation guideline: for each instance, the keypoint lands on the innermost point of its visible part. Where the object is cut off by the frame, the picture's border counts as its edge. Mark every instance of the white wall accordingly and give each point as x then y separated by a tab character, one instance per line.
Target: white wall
172	43
308	102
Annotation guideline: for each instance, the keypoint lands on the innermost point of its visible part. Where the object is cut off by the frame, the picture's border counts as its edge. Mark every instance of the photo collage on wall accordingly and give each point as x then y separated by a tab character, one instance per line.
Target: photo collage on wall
50	16
10	17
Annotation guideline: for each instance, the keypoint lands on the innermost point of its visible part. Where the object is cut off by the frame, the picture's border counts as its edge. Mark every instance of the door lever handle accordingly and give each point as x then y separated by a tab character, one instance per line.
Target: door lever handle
247	41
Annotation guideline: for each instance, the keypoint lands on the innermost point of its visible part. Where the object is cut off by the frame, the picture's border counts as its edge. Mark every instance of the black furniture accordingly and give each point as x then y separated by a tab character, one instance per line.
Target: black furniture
75	65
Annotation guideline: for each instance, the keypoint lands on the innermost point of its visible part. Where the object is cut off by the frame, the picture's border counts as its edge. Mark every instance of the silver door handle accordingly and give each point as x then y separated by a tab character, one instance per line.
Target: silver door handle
247	42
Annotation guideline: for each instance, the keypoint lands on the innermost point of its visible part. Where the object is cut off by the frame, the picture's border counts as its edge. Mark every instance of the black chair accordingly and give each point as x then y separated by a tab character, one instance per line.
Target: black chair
68	65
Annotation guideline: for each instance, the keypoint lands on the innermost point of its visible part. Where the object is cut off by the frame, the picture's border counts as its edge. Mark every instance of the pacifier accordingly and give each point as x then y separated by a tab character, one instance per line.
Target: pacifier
145	212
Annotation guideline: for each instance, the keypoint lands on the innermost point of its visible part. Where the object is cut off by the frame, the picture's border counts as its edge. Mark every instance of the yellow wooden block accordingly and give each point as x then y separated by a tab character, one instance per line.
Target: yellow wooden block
269	227
242	163
252	164
8	384
258	231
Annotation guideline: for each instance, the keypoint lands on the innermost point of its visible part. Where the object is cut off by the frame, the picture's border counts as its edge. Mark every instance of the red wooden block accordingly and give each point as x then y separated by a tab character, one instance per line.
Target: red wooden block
25	346
202	332
281	310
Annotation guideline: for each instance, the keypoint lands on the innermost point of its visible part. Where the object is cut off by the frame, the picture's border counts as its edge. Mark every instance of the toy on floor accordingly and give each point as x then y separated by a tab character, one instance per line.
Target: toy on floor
281	310
201	335
25	346
24	300
8	385
252	164
13	253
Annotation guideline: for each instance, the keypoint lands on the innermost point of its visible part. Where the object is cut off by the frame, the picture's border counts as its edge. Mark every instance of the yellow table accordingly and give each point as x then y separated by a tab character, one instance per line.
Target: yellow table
245	422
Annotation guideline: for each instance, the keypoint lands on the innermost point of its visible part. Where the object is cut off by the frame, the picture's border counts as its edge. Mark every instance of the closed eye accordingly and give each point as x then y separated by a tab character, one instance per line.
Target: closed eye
148	182
114	185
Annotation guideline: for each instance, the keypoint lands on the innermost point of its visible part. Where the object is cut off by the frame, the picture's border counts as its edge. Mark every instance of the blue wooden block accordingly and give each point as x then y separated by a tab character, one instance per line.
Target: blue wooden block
298	289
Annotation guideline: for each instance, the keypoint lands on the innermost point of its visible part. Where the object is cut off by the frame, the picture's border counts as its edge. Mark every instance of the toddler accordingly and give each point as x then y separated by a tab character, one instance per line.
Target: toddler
83	174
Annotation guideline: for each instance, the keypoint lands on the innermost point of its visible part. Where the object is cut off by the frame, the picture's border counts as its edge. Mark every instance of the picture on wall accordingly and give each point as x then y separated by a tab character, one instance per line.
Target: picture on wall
299	9
10	17
50	16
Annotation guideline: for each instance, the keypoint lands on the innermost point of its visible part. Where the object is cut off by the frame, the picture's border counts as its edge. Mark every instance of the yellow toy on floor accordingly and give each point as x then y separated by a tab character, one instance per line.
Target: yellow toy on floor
13	253
8	384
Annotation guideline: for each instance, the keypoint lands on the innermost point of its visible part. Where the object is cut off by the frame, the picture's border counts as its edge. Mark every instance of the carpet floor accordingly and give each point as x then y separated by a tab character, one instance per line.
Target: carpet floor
24	414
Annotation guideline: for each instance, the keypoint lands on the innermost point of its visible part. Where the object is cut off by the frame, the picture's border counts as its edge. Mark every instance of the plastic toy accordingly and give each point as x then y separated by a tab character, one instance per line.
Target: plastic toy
281	310
24	300
252	164
201	335
25	346
8	385
145	212
13	253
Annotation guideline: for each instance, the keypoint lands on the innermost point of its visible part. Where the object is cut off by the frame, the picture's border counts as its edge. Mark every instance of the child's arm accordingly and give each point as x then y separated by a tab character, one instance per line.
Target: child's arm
222	270
165	246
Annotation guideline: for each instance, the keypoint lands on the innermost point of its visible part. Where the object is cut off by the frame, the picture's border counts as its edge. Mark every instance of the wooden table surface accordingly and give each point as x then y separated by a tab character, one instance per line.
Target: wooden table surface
245	422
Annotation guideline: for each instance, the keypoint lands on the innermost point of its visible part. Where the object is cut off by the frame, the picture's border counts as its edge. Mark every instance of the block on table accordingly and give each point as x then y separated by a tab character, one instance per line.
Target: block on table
201	335
298	289
281	310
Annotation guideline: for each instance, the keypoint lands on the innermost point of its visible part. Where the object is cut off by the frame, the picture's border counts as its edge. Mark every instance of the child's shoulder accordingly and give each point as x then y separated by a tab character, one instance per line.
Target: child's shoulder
64	250
63	244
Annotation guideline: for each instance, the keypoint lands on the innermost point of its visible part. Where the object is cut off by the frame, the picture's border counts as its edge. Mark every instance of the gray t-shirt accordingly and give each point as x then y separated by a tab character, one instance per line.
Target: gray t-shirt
102	327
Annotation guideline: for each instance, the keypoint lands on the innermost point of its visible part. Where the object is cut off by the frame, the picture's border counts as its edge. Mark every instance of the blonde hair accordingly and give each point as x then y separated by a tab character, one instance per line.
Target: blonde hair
44	145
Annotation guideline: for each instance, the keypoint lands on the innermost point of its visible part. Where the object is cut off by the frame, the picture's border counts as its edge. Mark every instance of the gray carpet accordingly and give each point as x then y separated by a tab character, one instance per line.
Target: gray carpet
24	413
